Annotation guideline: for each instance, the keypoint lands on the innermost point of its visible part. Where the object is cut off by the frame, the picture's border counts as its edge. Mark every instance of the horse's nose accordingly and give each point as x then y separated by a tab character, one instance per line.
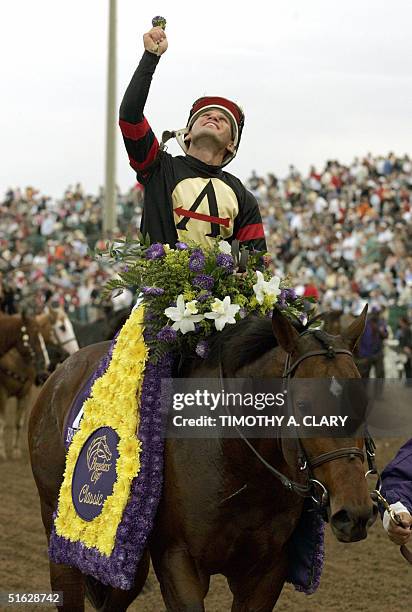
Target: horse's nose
351	525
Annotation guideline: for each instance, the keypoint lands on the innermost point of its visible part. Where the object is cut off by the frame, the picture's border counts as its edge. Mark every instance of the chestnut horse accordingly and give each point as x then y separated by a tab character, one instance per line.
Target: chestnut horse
222	509
22	359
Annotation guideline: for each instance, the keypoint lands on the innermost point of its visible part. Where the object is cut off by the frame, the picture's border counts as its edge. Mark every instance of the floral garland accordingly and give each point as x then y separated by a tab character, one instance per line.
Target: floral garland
191	292
119	569
84	393
112	403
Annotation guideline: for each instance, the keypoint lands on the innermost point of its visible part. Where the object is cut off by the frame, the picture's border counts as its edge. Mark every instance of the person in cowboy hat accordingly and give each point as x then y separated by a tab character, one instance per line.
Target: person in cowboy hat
188	197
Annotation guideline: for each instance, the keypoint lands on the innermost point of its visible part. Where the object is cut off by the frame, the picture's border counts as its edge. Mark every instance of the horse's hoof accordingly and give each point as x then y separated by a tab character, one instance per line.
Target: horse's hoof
16	453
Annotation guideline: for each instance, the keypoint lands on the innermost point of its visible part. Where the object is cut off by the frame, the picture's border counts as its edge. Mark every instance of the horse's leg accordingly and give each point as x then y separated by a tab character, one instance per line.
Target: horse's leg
3	402
64	578
184	587
259	589
22	406
69	581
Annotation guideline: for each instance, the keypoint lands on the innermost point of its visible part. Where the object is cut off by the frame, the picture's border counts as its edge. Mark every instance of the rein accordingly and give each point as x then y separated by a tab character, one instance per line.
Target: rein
310	463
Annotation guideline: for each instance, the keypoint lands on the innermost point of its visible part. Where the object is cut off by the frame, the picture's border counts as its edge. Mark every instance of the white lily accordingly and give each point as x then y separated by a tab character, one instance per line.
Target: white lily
191	307
224	247
184	315
223	312
269	288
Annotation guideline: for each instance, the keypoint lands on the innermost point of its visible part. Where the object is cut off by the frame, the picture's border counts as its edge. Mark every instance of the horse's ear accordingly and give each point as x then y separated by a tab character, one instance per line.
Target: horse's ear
355	330
284	332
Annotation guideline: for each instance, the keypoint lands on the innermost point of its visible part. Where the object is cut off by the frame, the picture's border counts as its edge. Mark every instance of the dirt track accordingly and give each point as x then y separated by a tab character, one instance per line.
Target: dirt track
365	576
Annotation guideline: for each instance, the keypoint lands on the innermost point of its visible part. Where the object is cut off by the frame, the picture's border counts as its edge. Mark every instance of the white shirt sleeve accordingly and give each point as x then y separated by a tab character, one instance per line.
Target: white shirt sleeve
397	507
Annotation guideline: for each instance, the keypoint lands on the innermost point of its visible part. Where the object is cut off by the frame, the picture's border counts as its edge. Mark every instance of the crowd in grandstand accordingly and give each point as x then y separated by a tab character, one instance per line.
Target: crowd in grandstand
343	234
45	249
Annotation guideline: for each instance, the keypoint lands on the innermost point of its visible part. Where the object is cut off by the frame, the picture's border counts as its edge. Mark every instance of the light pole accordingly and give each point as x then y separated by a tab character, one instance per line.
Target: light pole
109	208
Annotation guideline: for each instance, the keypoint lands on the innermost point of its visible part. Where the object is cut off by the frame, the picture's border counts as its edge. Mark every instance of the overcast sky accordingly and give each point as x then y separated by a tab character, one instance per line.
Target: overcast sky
318	79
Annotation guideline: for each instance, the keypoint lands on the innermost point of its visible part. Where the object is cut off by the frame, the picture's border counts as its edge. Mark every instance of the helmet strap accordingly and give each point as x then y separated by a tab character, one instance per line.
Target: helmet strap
180	137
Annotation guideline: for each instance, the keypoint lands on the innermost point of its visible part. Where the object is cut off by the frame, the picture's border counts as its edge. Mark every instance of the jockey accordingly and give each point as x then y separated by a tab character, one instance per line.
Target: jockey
188	197
397	488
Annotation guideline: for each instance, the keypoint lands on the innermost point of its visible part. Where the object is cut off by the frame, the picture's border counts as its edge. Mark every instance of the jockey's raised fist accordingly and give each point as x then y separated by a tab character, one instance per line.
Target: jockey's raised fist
155	40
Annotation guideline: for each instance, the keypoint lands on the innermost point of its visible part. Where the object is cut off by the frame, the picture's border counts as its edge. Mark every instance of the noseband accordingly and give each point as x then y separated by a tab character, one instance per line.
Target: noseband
313	488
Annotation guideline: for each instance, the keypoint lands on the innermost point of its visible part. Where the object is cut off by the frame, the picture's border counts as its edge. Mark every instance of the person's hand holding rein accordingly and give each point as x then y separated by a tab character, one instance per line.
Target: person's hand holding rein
155	41
400	534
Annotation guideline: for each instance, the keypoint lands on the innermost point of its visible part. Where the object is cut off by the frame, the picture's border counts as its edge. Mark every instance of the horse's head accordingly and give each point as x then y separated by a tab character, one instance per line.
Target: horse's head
46	322
334	465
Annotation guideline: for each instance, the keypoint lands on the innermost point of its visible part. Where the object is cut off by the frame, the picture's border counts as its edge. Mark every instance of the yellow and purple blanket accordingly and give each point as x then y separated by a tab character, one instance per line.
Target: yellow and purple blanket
114	466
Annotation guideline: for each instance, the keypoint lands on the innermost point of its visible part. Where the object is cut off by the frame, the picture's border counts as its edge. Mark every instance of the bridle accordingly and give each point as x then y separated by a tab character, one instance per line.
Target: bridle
313	488
26	342
28	350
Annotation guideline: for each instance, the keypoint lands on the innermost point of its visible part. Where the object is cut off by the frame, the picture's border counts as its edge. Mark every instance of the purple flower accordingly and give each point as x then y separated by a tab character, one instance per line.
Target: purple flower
225	261
290	294
153	291
204	296
149	316
149	334
167	334
155	251
282	298
204	281
181	246
202	349
126	269
197	261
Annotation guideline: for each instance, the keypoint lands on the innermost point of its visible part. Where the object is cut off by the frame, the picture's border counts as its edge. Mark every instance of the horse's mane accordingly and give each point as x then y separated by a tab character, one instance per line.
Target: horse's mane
241	344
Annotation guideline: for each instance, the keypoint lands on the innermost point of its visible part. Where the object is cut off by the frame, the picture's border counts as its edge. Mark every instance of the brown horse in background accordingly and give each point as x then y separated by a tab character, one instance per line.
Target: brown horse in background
22	360
222	510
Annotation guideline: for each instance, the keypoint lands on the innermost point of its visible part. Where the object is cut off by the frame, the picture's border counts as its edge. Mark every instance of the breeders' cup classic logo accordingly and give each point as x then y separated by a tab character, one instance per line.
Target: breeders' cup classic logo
98	454
95	472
